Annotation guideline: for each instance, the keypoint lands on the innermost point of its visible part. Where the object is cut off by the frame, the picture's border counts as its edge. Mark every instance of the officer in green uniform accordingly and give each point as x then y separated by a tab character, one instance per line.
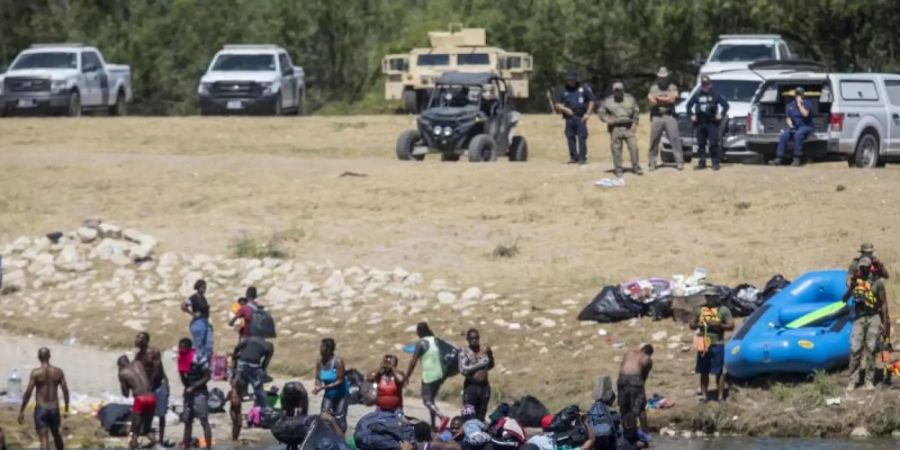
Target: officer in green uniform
872	322
620	113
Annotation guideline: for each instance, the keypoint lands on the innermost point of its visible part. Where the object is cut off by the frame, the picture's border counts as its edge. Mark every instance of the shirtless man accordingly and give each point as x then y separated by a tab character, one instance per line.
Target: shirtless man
474	363
134	382
46	379
151	360
636	367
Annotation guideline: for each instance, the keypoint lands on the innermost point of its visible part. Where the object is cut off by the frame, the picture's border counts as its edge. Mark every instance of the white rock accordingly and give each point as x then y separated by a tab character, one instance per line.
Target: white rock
545	322
225	273
446	298
659	335
307	288
413	279
169	259
323	304
673	345
675	338
67	256
633	322
347	293
515	326
107	249
557	312
832	401
21	244
187	283
602	332
276	295
15	278
126	298
108	230
86	234
859	432
399	274
256	275
137	325
668	432
472	293
438	285
335	283
489	297
501	323
120	260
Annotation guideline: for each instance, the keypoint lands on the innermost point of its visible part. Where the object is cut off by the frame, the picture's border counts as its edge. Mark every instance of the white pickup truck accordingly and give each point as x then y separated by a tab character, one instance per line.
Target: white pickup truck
738	51
64	78
252	79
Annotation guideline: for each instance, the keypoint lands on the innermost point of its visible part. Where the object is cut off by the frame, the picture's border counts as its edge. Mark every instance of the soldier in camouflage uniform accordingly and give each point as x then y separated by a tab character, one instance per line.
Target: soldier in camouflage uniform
872	323
878	269
620	113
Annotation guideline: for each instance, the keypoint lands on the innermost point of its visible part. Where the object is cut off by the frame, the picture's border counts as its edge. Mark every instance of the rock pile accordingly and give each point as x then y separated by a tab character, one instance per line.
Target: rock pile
121	270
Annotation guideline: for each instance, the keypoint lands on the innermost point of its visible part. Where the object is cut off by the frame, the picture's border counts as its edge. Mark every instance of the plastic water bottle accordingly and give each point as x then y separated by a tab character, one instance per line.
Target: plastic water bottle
14	386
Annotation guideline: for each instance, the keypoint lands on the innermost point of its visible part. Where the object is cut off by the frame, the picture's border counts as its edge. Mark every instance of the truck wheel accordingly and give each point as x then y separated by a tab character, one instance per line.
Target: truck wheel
518	149
866	154
449	157
278	109
482	149
74	109
301	103
405	144
120	108
410	102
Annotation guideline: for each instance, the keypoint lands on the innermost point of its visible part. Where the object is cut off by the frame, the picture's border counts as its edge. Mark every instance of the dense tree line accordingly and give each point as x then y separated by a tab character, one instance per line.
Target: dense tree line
340	42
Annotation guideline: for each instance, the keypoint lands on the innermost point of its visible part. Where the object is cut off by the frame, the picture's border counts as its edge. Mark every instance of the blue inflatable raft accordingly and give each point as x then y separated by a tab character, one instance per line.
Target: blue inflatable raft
763	344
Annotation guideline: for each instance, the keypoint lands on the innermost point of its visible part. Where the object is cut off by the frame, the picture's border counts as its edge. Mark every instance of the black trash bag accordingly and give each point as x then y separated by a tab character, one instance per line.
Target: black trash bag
322	437
449	354
262	324
292	430
115	418
355	379
774	286
661	308
742	307
610	305
529	411
268	417
381	430
294	397
215	402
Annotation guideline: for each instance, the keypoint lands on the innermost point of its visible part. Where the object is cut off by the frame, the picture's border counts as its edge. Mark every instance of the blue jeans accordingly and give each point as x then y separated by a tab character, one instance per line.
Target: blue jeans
576	136
707	132
202	335
798	134
252	376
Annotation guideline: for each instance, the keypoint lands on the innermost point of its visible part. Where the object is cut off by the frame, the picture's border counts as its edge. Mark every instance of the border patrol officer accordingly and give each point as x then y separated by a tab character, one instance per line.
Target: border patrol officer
871	324
620	113
663	96
707	109
575	103
799	123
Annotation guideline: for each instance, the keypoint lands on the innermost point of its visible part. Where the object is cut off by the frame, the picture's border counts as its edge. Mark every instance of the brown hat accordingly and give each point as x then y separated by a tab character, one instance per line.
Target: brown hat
866	247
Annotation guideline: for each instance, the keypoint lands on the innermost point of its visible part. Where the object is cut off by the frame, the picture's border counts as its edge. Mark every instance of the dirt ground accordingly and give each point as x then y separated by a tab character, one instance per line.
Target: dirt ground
199	184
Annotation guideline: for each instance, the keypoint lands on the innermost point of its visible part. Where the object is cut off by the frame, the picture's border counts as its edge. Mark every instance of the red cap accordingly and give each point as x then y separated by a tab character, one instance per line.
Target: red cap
546	421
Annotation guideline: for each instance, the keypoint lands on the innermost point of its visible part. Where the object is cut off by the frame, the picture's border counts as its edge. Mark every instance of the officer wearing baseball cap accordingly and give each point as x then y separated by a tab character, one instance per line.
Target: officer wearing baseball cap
575	103
707	110
620	113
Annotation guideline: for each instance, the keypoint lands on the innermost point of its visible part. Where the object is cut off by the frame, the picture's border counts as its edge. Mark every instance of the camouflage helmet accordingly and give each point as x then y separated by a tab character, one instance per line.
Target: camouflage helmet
867	247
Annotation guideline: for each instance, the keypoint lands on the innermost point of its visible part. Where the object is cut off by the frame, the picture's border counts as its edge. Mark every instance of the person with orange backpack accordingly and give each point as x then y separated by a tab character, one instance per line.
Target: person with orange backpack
872	321
711	322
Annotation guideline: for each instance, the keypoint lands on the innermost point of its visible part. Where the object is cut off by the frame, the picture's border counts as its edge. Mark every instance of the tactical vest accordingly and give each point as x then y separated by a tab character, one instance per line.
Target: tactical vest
865	300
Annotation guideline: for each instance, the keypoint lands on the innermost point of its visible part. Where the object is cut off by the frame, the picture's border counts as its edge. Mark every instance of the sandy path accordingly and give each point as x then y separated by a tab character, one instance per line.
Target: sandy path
91	371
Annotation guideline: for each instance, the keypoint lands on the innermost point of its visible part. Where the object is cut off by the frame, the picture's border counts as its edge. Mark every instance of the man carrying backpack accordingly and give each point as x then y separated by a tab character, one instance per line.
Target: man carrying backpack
633	373
432	371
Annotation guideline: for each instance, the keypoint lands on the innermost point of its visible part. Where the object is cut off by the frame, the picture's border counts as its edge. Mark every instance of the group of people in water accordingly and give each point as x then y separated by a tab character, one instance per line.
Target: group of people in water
143	377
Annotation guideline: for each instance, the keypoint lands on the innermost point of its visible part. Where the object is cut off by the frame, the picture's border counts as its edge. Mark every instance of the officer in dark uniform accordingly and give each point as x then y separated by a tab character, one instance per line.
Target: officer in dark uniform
575	103
707	109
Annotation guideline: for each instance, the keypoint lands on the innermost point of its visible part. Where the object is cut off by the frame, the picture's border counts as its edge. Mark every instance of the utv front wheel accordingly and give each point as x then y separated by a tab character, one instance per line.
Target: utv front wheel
482	149
405	143
518	149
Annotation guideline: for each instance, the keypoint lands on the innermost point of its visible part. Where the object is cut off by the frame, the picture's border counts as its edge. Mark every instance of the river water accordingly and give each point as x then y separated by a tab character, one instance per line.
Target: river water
776	444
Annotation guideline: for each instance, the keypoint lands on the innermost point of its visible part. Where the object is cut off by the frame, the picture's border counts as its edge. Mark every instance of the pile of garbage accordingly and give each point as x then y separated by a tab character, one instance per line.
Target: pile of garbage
654	297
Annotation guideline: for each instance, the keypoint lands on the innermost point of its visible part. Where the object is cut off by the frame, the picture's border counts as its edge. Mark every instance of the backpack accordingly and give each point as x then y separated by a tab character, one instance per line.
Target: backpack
603	424
355	381
216	400
368	393
261	323
567	427
382	431
449	355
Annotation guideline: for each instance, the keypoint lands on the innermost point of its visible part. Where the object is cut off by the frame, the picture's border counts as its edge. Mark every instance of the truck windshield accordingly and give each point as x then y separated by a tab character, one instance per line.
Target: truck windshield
473	59
434	59
46	60
743	52
736	90
248	63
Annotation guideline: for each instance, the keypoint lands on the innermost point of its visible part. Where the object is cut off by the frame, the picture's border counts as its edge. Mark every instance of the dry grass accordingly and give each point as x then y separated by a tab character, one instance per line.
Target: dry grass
201	184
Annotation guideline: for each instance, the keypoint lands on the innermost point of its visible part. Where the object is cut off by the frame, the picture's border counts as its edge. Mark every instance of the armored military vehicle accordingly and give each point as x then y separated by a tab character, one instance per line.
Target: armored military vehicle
410	77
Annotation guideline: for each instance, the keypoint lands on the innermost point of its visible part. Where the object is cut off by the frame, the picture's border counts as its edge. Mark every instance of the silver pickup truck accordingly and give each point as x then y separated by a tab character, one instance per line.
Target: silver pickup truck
64	78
